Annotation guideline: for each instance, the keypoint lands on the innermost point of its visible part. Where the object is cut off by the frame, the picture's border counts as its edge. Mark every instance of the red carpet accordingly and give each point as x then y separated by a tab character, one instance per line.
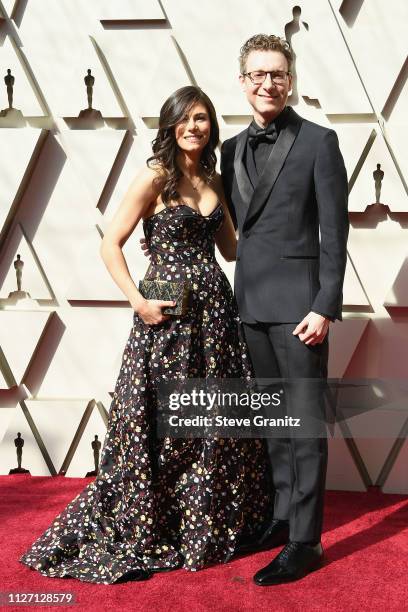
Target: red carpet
365	538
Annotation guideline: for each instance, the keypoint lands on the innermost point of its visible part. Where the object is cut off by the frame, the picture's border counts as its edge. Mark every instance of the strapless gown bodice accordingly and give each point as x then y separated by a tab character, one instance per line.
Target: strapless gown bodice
180	234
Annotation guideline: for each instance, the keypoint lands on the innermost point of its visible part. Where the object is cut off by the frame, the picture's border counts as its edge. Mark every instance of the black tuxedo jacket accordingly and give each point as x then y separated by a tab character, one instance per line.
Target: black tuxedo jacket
284	269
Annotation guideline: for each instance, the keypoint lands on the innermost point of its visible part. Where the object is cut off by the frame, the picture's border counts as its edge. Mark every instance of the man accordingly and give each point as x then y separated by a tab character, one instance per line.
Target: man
284	180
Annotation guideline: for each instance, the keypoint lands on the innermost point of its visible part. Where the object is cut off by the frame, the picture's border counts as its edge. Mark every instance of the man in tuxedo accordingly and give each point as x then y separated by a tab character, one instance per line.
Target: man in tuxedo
285	182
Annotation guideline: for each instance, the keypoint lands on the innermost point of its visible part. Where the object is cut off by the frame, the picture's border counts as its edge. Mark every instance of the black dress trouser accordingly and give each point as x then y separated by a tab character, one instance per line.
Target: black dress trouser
298	461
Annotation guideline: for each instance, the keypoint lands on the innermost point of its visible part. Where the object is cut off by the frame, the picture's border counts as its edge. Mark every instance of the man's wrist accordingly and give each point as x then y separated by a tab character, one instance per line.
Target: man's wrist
322	314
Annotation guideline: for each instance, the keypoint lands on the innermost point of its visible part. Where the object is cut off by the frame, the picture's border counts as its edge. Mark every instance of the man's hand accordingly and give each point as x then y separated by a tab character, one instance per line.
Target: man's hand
313	329
145	248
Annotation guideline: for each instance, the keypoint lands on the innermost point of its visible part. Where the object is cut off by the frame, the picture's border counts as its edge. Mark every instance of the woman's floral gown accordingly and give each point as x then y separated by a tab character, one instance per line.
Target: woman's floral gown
163	503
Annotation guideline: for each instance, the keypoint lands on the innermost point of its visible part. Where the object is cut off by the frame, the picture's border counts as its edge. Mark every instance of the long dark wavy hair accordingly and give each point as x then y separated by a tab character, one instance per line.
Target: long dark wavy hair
165	147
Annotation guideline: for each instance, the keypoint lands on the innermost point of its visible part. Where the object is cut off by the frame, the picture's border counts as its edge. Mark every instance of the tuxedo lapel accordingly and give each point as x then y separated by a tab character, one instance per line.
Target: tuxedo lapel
244	184
273	165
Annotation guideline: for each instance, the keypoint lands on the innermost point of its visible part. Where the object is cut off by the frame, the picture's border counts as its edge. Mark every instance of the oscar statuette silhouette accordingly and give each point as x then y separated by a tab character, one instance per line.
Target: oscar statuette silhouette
96	447
90	117
19	443
11	117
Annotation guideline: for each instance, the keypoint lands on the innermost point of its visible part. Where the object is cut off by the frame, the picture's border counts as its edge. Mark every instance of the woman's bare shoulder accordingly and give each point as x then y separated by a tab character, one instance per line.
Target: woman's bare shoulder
216	184
151	177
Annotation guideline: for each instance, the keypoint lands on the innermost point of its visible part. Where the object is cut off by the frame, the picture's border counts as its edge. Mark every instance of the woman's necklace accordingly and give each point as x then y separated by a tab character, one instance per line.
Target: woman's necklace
194	186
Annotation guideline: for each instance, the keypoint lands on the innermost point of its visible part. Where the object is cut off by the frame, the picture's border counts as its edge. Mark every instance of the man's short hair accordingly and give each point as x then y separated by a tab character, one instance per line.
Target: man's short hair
265	42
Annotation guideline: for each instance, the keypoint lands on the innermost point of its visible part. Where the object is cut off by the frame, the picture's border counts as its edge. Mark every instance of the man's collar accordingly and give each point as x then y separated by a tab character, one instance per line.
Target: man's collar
279	120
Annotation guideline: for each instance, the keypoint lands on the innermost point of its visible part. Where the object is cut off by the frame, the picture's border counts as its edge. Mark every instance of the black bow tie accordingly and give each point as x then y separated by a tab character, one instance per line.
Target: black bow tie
256	135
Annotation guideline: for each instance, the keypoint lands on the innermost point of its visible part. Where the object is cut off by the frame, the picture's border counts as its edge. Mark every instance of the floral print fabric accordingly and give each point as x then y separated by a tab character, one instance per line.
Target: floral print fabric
166	503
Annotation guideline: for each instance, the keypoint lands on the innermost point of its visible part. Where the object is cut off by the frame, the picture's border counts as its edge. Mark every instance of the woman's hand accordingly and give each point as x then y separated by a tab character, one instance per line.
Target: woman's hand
150	311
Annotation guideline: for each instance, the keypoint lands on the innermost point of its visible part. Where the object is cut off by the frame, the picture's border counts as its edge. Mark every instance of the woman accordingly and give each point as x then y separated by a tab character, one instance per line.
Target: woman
159	504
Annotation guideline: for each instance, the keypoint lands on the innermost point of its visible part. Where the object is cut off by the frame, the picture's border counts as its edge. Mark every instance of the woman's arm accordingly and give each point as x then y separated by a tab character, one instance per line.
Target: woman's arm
143	190
225	238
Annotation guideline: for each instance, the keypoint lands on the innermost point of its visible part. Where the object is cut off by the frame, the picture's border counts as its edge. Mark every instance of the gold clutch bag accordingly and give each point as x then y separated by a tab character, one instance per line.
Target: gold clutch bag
167	290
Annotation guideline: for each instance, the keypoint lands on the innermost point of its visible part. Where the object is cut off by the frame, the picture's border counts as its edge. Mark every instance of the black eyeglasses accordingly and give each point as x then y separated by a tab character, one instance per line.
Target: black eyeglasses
258	76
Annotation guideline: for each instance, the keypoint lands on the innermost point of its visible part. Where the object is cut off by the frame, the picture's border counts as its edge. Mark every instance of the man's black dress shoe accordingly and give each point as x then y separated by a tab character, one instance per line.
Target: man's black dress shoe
277	534
293	562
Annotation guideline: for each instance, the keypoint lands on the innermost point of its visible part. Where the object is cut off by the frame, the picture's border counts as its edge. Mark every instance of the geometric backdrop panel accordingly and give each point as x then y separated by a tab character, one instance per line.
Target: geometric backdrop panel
64	321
